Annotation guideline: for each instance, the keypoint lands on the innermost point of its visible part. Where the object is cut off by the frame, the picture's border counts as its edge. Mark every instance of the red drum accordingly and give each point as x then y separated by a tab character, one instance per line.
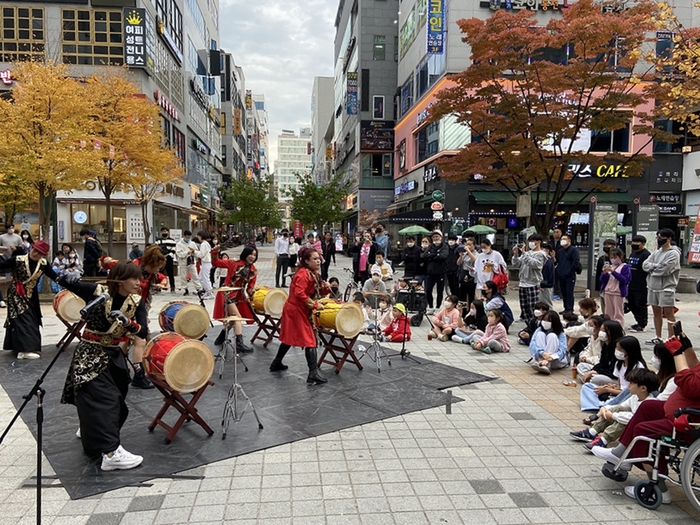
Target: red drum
185	364
67	306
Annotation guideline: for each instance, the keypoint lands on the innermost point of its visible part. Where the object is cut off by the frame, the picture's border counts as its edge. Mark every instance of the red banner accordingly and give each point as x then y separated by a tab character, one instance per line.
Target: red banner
298	229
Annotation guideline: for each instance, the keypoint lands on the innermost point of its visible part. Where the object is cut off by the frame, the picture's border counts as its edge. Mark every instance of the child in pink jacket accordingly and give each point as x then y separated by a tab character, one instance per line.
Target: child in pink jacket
495	337
446	321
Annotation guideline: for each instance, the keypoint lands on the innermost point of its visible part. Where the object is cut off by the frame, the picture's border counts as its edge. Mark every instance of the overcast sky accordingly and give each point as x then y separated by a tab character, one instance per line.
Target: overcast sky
281	46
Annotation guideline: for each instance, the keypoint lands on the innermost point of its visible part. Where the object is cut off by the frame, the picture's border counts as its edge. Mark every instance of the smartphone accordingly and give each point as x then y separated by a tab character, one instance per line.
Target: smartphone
462	303
677	329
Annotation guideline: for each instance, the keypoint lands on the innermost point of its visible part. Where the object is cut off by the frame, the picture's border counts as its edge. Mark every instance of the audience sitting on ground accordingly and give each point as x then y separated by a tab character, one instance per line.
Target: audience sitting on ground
665	367
525	334
495	301
611	420
473	325
495	338
590	356
359	299
548	345
380	318
577	335
446	320
399	329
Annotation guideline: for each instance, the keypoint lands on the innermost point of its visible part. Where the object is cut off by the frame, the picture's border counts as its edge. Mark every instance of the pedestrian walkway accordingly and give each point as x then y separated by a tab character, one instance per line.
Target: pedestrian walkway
503	455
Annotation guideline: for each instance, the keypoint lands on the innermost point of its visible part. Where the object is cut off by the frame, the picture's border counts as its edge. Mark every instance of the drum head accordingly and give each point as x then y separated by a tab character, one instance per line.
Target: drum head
69	306
191	321
349	320
188	366
274	302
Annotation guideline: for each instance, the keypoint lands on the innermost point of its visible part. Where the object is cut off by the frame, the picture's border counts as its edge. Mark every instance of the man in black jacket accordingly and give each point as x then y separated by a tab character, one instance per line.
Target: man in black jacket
451	265
410	256
637	294
436	257
328	249
568	265
91	253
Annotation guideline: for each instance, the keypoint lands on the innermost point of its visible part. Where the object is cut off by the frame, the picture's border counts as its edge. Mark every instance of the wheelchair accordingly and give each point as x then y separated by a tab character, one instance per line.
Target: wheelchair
682	455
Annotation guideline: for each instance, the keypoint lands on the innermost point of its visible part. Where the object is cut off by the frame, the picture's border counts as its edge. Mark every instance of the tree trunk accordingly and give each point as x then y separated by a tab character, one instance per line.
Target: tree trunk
44	214
146	225
108	219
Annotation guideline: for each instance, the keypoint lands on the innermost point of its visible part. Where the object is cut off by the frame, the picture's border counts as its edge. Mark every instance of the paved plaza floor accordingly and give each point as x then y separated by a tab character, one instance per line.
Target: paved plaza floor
503	455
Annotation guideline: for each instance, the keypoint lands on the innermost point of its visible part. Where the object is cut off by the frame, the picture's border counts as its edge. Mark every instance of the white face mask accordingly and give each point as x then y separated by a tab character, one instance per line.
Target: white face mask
472	312
379	261
437	243
446	304
451	243
656	362
620	355
486	250
25	237
531	245
538	313
546	325
424	245
564	243
603	336
382	306
375	278
410	244
590	330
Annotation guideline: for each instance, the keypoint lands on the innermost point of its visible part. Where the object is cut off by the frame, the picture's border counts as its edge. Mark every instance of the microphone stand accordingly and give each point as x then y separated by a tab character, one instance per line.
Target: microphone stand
39	392
200	294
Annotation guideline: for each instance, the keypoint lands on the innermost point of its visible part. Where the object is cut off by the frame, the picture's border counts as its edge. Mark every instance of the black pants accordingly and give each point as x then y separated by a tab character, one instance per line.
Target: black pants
282	268
324	269
566	287
309	352
102	409
90	268
467	290
430	282
637	299
453	283
170	272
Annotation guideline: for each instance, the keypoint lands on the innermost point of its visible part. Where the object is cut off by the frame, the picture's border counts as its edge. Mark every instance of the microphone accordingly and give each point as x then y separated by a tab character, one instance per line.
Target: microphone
100	299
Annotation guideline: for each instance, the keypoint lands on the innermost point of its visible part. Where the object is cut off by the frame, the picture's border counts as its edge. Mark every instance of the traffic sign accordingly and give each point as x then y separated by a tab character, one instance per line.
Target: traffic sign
436	206
437	195
437	215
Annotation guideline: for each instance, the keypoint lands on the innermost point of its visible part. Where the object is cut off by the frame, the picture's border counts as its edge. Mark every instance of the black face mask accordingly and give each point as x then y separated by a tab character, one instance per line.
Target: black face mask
606	249
334	289
484	293
662	240
164	235
636	247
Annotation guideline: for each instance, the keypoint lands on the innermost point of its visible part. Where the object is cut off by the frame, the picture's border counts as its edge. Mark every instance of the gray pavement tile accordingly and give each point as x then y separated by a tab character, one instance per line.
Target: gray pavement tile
212	497
398	489
174	515
541	515
527	499
486	486
508	516
71	520
383	518
139	518
107	518
497	501
304	493
521	416
307	508
344	519
236	511
369	490
140	503
277	509
276	494
340	506
482	517
112	505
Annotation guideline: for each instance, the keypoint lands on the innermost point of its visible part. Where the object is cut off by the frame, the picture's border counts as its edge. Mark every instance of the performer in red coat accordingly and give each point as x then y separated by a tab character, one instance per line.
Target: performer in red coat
241	274
297	326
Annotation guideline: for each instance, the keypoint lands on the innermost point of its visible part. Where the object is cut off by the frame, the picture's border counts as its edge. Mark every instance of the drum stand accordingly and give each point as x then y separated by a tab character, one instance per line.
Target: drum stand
224	351
375	347
231	413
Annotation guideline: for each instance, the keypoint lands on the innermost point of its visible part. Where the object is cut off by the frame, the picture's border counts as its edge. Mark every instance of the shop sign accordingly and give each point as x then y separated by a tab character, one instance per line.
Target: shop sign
376	135
351	99
348	51
530	5
169	40
664	198
248	99
669	209
402	155
437	215
430	174
405	187
423	115
602	171
237	124
437	195
436	206
198	93
6	77
435	27
200	146
648	218
166	105
135	37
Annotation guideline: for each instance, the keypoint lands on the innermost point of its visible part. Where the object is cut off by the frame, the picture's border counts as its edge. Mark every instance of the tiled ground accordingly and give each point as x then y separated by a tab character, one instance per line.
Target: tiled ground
502	456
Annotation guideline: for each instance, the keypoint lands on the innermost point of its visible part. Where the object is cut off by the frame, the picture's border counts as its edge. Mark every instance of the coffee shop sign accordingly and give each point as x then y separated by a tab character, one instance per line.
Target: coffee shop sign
602	171
423	115
405	187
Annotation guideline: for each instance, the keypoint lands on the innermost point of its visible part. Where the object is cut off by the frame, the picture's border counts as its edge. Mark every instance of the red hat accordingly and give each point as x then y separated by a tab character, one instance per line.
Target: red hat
42	247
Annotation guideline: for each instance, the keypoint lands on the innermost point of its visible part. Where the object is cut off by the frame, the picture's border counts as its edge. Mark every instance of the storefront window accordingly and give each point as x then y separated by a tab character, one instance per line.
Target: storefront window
162	217
97	220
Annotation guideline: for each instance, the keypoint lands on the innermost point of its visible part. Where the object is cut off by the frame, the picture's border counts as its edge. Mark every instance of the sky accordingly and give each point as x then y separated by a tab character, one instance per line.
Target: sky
281	46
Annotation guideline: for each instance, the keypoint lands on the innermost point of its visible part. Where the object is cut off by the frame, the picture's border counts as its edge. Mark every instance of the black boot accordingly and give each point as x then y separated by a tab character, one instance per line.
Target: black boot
140	380
277	365
315	376
241	346
220	338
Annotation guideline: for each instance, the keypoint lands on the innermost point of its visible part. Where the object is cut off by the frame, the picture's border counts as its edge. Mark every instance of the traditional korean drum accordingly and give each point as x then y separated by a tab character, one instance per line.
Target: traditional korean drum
185	364
67	306
269	301
190	320
346	319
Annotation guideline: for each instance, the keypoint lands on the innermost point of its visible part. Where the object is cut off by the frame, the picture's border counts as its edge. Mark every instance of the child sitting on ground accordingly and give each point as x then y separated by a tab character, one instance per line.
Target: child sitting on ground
495	339
612	420
382	316
586	360
399	327
548	345
525	334
577	334
446	321
473	325
358	298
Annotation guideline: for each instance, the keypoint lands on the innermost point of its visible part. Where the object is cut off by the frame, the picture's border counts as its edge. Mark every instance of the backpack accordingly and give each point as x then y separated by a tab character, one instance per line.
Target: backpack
417	319
101	250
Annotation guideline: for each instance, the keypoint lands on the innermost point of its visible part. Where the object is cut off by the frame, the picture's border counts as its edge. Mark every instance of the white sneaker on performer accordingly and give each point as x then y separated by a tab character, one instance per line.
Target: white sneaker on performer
77	434
121	460
28	355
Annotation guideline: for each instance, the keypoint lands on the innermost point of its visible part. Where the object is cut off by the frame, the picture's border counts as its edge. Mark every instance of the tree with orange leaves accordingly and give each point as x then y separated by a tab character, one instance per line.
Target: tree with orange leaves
528	113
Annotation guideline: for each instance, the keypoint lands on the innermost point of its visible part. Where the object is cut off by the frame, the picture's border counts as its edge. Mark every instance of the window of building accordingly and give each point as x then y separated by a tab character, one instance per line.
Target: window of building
427	142
92	37
97	220
396	49
377	170
378	107
407	96
169	13
617	141
22	34
379	49
223	123
179	144
223	153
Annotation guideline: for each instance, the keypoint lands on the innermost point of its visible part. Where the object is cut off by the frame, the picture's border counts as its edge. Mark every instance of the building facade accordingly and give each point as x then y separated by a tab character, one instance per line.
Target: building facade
293	159
263	136
321	120
233	120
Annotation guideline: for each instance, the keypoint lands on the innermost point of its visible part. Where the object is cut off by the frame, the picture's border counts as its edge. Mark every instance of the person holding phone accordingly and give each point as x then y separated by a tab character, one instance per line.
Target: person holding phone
530	262
663	269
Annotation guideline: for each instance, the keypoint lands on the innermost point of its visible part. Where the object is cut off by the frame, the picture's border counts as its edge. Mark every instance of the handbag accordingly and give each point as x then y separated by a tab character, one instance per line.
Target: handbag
501	279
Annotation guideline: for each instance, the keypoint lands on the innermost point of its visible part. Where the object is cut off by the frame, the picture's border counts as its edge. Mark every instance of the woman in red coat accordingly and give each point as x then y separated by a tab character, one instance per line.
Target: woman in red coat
241	274
297	326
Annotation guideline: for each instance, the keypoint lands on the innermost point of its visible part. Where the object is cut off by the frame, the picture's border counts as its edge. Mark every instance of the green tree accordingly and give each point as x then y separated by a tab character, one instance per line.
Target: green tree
249	203
527	113
317	205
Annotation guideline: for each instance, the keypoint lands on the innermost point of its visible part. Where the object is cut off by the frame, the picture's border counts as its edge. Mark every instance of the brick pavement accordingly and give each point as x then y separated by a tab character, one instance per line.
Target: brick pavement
503	456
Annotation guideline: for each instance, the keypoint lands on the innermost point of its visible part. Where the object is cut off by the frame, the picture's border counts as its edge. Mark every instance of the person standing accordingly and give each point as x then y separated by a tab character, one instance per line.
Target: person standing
486	264
608	244
568	266
436	266
327	253
410	256
382	240
9	240
367	256
548	277
664	270
637	293
26	225
294	245
614	281
135	252
297	325
467	285
451	267
204	256
22	332
282	254
556	244
185	251
531	262
91	253
167	247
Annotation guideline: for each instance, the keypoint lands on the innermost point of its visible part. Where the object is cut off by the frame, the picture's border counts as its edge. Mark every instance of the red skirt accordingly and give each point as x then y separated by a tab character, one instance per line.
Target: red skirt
243	307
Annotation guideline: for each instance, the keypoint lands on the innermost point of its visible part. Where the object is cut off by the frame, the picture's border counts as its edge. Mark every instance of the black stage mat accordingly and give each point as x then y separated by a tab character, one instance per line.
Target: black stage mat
289	409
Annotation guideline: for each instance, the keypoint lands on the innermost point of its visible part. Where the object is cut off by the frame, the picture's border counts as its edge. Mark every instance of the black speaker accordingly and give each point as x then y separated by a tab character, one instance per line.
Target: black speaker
214	62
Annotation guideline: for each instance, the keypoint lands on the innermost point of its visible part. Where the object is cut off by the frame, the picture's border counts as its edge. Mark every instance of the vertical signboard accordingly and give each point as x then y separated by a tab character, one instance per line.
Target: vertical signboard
351	101
648	224
237	123
135	37
694	253
436	27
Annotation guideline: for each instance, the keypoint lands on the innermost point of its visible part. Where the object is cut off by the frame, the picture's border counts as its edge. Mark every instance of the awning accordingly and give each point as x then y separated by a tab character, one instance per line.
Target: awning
422	215
570	198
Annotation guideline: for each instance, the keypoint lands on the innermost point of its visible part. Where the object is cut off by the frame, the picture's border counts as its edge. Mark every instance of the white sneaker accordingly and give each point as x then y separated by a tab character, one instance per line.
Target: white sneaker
3	304
77	434
207	296
28	355
607	455
665	496
456	339
121	460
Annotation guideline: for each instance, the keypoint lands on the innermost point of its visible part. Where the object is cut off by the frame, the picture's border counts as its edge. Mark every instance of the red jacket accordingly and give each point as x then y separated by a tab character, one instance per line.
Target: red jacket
149	281
397	329
238	281
295	325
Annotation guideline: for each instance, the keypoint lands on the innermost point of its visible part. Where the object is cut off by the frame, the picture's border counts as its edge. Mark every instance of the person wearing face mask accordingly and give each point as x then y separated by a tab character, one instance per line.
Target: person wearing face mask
568	265
335	294
664	269
9	240
495	338
467	283
374	284
637	289
167	246
381	239
602	373
590	355
383	266
410	256
367	252
613	284
282	255
451	267
436	266
608	244
577	333
446	321
530	262
422	263
474	324
548	345
487	263
185	251
549	278
135	252
525	335
382	316
495	301
27	240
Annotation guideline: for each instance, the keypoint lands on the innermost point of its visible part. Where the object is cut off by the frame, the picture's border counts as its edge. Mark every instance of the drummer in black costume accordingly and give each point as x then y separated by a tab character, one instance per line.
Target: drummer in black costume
98	380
